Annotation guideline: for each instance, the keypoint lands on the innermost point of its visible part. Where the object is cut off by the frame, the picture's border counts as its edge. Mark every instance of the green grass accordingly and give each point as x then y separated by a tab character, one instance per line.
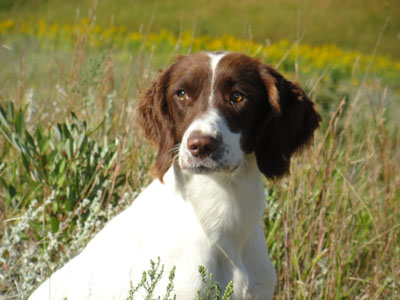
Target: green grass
352	25
332	226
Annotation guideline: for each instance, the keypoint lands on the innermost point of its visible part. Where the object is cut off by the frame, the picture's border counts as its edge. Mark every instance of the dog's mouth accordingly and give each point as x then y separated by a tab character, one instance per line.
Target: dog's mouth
207	166
205	170
202	170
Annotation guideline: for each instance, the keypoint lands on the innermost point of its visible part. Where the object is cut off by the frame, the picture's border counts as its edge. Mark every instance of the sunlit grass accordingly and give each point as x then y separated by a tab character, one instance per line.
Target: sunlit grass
332	226
312	59
353	25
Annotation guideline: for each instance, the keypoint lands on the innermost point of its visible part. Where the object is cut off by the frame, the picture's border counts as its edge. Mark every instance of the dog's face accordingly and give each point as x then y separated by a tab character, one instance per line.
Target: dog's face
206	111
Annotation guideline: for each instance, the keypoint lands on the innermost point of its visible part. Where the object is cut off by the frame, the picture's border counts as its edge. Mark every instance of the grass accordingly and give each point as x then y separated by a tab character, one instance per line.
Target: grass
332	226
352	25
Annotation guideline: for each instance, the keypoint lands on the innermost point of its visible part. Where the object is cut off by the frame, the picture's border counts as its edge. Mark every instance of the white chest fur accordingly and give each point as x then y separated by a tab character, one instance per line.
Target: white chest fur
188	221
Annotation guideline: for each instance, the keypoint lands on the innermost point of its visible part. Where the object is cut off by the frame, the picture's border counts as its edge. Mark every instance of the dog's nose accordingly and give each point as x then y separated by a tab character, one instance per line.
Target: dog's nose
201	145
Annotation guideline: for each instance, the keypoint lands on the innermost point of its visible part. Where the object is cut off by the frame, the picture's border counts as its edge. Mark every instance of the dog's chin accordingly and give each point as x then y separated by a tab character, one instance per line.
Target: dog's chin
201	170
207	167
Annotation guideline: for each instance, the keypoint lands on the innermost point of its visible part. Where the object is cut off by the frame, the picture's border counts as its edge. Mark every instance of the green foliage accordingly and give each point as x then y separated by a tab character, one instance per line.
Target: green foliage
211	289
150	280
352	24
6	5
64	158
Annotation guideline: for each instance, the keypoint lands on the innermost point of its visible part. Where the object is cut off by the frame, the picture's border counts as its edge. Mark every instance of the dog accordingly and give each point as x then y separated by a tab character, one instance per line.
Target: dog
219	122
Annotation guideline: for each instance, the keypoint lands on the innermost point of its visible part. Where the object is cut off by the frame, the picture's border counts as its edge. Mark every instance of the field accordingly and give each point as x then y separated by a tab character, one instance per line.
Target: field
72	157
353	24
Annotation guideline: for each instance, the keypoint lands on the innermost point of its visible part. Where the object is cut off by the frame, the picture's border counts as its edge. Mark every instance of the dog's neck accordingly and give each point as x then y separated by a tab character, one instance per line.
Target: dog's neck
228	205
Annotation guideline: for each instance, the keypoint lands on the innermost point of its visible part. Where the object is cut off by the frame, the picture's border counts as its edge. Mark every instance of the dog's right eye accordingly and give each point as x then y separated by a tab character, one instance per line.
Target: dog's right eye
182	95
237	97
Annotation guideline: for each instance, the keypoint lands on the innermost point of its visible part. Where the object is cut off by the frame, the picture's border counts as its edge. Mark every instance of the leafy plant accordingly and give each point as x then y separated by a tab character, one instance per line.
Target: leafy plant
149	281
212	290
64	159
55	176
151	278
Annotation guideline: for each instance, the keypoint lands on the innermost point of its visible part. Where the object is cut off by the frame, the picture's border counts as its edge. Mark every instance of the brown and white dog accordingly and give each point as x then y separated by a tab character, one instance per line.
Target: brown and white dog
219	121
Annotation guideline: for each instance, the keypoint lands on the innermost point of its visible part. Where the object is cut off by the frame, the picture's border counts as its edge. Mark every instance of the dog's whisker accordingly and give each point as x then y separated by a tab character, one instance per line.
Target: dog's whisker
175	153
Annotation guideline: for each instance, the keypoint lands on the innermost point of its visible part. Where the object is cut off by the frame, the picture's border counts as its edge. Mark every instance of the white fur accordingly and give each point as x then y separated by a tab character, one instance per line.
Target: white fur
211	123
215	58
210	220
213	220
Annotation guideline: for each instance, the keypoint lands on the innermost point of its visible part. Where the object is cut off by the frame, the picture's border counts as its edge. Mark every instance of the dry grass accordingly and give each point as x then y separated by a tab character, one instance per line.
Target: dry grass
332	226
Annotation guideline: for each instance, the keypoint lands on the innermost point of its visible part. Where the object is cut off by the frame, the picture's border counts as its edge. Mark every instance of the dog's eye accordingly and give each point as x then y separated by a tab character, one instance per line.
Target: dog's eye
237	97
182	95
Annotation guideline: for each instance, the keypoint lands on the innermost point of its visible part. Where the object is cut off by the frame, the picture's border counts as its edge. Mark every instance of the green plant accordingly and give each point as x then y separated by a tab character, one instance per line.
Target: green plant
64	158
211	289
62	178
151	278
149	281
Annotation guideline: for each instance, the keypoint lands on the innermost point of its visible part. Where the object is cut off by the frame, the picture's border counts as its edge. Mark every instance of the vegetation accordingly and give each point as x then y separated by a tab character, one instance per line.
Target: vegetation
352	25
71	155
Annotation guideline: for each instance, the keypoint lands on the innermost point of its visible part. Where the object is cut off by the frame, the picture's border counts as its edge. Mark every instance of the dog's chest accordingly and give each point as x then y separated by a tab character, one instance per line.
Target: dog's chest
225	208
217	224
223	264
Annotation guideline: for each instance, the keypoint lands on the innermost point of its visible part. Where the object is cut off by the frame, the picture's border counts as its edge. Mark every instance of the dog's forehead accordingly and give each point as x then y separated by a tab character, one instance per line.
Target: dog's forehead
212	67
199	63
215	61
237	66
236	60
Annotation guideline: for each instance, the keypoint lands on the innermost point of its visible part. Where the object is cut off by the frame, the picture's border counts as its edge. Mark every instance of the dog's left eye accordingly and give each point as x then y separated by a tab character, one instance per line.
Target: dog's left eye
237	97
182	95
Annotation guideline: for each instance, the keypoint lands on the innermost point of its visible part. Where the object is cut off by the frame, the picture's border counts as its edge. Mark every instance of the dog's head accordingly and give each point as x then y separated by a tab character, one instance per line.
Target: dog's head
207	110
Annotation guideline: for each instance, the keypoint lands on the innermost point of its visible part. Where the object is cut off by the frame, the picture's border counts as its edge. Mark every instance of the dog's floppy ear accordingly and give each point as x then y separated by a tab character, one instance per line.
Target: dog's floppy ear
156	123
292	125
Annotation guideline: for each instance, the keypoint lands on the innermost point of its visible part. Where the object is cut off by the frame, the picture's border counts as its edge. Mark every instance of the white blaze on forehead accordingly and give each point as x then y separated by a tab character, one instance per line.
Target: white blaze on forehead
215	58
212	123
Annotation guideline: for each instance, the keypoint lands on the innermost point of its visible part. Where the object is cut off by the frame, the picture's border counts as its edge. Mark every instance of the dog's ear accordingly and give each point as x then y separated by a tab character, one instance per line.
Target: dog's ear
156	123
294	119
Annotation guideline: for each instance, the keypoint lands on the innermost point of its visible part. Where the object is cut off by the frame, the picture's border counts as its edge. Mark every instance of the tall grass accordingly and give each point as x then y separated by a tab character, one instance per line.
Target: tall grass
337	218
332	226
352	25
